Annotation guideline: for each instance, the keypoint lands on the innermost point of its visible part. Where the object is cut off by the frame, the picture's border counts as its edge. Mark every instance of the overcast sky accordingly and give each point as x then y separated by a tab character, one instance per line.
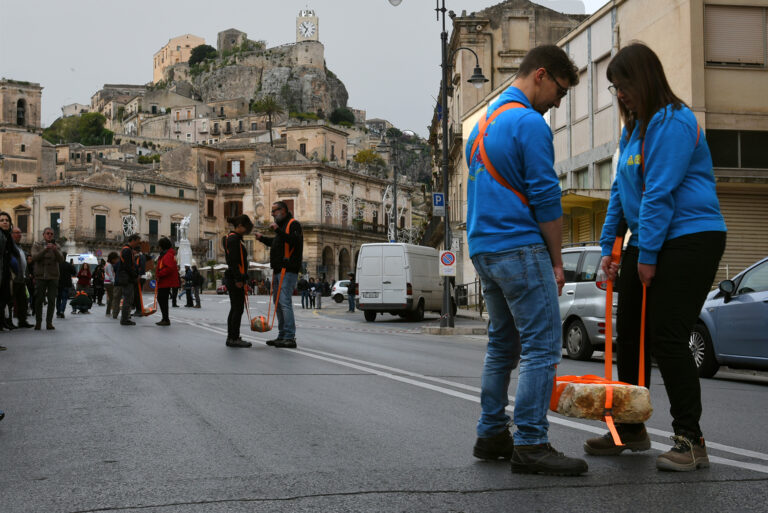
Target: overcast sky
388	57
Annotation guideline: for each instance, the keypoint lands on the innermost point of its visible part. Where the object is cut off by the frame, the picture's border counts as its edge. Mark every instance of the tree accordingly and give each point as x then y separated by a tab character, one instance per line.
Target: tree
342	114
369	158
268	106
202	52
87	129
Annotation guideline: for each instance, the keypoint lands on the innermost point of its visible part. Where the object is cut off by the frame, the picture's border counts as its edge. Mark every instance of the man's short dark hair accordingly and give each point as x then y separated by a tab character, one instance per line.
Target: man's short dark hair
164	243
133	237
553	59
282	204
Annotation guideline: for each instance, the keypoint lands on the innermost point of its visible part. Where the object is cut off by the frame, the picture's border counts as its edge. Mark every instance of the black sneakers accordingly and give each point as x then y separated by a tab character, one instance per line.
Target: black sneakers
127	323
164	322
237	342
544	459
288	343
497	447
272	342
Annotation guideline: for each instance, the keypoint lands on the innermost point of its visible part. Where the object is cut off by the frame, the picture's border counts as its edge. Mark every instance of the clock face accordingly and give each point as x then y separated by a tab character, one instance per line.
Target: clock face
306	28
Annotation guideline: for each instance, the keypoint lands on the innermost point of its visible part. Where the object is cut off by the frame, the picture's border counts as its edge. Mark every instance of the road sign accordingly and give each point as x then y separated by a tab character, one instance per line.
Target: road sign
438	204
447	263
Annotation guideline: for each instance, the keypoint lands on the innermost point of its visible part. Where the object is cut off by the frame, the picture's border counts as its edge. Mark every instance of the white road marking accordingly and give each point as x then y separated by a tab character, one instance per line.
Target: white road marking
389	373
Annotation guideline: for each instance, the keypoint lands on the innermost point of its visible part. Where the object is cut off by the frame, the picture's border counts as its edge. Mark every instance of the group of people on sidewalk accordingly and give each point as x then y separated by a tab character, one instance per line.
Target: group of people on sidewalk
665	191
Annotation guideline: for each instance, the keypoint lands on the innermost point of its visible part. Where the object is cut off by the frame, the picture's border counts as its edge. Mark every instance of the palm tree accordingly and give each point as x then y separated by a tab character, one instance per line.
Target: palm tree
269	106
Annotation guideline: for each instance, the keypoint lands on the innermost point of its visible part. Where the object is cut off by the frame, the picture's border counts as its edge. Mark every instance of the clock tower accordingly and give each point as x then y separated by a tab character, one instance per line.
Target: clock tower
307	26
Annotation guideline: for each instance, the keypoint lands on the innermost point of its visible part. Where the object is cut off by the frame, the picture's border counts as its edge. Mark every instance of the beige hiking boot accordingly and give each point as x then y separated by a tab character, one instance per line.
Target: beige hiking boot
685	456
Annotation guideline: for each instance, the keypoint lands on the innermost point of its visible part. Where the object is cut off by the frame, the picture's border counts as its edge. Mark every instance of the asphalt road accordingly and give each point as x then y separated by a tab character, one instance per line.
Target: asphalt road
361	417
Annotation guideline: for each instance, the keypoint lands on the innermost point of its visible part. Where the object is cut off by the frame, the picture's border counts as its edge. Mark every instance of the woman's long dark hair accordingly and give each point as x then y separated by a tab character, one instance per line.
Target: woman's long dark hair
638	70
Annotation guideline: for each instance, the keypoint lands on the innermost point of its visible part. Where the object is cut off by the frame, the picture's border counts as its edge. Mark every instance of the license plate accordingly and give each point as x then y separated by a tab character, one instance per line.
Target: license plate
370	294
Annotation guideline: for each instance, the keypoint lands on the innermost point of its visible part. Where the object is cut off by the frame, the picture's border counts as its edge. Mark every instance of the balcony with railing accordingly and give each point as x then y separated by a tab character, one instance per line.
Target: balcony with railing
233	178
352	226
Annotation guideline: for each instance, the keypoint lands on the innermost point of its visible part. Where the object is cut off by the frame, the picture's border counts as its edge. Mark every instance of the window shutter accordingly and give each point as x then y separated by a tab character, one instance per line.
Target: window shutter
734	35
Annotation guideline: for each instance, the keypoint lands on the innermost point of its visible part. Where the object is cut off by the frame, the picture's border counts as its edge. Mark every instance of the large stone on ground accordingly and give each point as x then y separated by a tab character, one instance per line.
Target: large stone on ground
631	404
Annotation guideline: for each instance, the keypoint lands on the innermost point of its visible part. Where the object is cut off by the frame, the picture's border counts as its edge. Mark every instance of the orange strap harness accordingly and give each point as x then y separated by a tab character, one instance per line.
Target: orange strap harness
287	252
482	125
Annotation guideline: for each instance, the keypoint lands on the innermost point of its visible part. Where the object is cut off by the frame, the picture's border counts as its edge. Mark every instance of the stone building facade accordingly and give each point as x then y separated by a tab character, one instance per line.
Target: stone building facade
715	64
25	158
178	49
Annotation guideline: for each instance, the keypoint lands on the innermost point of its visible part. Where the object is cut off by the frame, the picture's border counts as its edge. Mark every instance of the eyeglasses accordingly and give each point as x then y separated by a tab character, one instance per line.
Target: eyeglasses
276	210
561	91
614	89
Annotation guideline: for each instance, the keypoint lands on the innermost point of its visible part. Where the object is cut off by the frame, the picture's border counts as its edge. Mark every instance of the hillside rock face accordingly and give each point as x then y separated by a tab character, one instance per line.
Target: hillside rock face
295	74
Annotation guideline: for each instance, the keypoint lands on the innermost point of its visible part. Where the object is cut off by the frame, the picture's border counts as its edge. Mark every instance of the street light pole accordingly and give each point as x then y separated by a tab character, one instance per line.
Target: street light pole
477	79
446	319
394	191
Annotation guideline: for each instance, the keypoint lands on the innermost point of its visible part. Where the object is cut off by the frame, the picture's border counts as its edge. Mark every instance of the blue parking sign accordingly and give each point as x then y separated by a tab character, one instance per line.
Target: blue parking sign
438	204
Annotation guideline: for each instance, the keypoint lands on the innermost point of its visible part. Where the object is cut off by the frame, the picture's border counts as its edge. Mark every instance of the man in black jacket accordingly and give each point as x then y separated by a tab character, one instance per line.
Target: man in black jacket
127	277
285	256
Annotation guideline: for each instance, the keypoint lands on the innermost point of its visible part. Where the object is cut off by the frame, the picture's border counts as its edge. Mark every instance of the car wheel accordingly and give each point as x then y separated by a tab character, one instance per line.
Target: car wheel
369	315
577	344
338	298
700	344
418	314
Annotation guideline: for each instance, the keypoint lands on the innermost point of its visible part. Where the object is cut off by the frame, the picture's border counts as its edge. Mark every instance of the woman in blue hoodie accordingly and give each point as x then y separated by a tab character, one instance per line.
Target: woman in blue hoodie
665	190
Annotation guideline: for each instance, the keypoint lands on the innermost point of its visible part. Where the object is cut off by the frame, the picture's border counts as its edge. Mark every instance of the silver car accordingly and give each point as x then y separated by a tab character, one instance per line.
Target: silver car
582	303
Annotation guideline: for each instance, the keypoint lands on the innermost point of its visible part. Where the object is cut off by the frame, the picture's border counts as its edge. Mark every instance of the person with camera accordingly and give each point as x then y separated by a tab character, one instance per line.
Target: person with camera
46	257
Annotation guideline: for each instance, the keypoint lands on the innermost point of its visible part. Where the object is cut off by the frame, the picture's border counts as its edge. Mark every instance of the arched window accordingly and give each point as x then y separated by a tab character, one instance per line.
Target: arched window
21	112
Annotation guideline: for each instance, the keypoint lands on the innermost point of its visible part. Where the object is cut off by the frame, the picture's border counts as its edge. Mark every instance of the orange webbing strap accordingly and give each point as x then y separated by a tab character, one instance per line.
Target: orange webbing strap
480	142
288	251
615	258
154	302
277	299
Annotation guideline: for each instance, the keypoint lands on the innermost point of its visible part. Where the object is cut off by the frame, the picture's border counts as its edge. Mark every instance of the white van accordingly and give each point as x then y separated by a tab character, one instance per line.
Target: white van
402	279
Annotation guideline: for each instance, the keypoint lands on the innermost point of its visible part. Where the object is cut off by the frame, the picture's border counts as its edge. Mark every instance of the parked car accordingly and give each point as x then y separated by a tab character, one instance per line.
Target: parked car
221	289
339	290
732	328
582	303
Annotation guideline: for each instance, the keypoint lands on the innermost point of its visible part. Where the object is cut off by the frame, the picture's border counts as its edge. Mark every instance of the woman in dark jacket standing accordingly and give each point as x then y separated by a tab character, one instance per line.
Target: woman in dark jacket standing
167	277
236	277
8	252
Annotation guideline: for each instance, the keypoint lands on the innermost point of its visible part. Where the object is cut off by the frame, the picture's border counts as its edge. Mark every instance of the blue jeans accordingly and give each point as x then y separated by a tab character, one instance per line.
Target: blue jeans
521	297
286	324
351	299
61	299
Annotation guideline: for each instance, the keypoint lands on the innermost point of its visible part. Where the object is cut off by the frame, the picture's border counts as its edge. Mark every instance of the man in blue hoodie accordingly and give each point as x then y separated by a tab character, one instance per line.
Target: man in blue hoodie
514	229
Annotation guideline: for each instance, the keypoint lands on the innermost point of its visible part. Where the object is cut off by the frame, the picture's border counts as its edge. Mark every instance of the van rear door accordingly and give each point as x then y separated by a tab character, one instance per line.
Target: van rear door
393	274
369	275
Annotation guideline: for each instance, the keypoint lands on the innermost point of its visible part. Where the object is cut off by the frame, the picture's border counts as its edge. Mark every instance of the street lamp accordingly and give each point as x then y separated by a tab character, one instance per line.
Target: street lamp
130	223
477	80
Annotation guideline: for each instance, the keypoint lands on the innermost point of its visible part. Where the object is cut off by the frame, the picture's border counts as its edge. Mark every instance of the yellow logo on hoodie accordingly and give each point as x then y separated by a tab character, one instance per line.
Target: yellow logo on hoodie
634	160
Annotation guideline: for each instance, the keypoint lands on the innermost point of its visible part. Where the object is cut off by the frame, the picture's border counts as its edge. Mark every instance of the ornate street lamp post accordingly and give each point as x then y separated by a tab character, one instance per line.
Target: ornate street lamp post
477	79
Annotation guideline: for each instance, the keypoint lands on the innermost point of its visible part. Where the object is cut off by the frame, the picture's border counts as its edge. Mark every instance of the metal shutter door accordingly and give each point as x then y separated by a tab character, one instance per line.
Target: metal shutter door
734	35
747	240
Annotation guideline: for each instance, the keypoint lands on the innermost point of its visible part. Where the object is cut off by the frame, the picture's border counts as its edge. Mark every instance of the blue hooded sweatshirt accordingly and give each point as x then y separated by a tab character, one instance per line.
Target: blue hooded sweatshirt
679	197
519	144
